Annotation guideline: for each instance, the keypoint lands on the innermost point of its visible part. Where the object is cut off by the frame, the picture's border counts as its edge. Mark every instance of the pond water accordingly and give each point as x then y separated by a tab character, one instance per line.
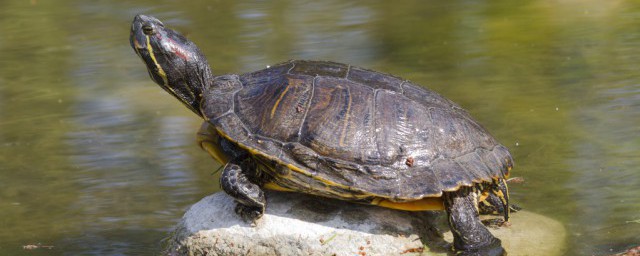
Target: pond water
96	159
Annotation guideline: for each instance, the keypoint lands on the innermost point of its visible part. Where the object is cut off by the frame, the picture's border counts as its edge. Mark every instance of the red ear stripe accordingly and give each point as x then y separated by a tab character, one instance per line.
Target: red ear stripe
178	50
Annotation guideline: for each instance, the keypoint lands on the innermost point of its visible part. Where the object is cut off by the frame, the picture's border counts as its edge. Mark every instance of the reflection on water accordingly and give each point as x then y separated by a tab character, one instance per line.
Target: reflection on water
94	158
296	29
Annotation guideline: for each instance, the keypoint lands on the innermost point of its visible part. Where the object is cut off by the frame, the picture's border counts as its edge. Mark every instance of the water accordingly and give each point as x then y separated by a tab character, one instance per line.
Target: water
96	159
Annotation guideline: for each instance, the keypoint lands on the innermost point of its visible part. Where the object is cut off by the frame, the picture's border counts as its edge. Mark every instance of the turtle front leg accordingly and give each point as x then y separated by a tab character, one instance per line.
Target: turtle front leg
470	236
248	195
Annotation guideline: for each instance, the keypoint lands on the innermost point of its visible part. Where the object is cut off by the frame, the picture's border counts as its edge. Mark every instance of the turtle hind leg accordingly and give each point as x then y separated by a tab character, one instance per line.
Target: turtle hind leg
470	236
497	201
249	196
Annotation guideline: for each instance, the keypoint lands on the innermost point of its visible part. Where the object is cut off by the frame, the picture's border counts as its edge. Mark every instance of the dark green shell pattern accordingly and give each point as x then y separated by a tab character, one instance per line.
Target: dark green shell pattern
353	133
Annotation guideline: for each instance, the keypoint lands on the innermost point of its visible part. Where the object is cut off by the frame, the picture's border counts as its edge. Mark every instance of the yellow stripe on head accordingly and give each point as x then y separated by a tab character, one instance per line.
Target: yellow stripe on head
161	72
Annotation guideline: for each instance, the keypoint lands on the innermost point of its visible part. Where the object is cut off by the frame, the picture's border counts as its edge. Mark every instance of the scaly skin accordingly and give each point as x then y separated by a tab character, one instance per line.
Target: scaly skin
470	236
249	197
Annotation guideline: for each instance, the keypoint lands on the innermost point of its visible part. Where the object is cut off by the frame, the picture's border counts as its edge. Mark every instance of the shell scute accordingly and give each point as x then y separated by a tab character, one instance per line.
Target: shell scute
348	133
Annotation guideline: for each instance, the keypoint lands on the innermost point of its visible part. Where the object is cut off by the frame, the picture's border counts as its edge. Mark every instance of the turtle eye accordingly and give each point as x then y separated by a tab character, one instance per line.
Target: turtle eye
147	29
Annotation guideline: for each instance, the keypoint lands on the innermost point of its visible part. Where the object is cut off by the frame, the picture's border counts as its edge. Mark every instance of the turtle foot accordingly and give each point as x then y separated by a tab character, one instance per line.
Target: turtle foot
496	223
493	248
249	214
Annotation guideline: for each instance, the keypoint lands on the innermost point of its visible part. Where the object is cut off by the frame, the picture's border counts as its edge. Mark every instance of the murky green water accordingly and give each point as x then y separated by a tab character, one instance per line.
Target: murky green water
96	159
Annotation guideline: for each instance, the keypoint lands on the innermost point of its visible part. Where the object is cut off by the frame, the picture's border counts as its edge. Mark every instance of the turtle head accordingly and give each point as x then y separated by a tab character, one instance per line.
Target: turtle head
173	62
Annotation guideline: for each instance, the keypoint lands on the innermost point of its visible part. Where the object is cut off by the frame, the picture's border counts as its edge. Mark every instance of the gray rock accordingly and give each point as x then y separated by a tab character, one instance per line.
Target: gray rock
297	224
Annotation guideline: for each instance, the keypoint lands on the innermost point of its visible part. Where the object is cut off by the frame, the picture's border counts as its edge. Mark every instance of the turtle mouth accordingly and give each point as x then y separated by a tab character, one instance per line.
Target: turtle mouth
143	29
135	43
137	39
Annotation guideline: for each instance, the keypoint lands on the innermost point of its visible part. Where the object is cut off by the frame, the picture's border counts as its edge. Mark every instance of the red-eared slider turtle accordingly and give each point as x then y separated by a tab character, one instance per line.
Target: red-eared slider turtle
337	131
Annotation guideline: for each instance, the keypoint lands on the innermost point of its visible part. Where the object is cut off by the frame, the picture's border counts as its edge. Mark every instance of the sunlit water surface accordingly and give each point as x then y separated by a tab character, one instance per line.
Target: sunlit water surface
96	159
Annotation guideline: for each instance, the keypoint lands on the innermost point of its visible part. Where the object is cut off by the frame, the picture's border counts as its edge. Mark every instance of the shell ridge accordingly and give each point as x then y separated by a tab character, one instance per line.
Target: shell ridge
401	86
346	76
293	65
216	119
307	108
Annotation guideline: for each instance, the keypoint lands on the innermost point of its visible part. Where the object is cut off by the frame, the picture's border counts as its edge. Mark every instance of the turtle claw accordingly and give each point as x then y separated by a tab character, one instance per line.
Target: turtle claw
514	208
496	223
249	214
494	248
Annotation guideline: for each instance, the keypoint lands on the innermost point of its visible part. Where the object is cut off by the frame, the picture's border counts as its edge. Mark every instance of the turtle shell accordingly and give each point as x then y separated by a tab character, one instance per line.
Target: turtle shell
341	131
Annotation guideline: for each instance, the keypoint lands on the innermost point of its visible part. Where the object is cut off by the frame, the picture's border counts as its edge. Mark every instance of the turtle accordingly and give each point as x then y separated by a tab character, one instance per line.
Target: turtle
335	131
